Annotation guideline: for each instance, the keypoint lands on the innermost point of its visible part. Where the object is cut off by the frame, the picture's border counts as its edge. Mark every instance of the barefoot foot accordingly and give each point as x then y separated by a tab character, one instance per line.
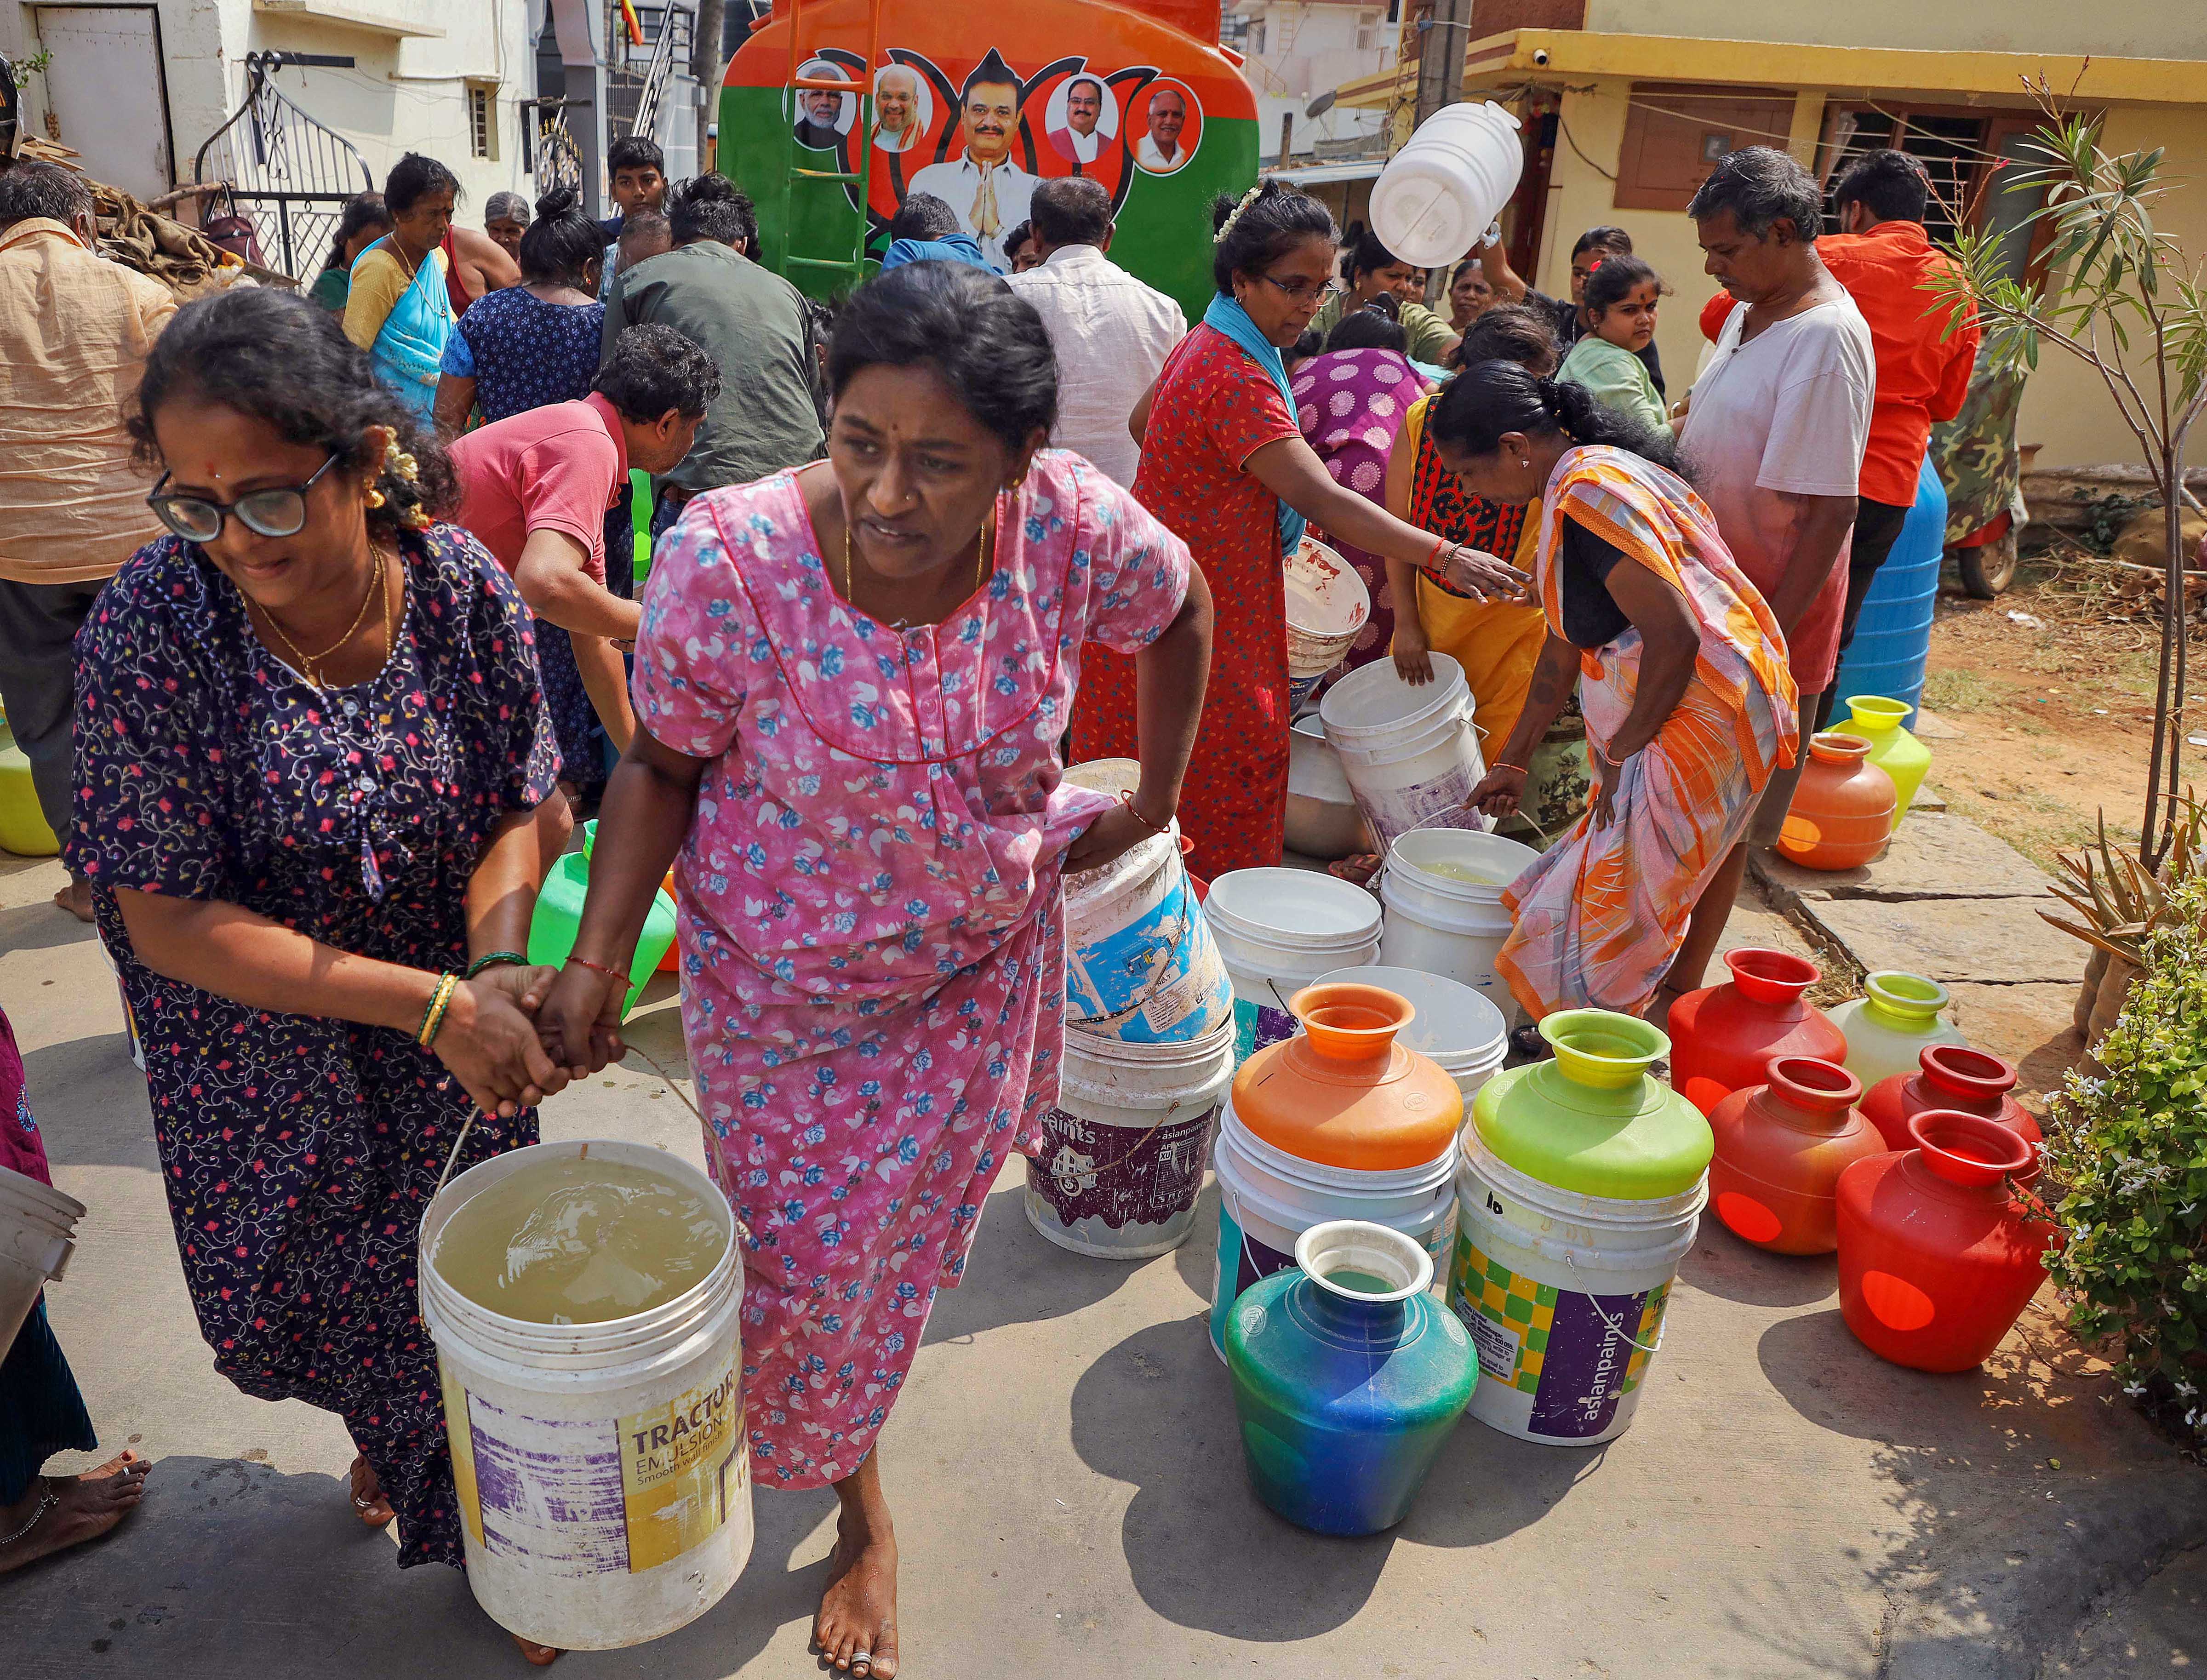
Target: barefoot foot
537	1656
76	899
368	1501
70	1509
856	1629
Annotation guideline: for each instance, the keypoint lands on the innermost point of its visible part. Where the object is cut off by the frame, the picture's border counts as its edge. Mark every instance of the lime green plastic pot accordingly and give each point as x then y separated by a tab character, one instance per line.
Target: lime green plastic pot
559	915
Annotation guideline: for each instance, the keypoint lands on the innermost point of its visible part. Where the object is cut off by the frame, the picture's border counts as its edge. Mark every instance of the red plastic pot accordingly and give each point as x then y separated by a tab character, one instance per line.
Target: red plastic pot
1953	1076
1937	1258
1722	1037
1780	1149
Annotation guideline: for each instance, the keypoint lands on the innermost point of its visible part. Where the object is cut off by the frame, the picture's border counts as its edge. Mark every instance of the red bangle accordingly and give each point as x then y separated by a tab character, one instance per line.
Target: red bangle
1433	559
598	968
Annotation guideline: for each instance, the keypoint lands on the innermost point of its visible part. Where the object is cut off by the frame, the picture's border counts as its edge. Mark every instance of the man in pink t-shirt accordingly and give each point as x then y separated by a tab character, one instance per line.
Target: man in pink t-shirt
534	487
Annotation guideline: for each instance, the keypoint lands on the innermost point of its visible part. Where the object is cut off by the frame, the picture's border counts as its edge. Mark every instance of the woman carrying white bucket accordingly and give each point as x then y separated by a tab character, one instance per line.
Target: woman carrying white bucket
1681	673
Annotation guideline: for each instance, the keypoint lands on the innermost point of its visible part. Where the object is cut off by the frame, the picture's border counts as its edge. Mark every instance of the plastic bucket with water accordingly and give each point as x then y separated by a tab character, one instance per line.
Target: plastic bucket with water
1563	1295
1437	195
1268	1198
1140	963
1408	753
1445	925
1456	1026
1125	1149
1277	931
1327	605
602	1471
38	1235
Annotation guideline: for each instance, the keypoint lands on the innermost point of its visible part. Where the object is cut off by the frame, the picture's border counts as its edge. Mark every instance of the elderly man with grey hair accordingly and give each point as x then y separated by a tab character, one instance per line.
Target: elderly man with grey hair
1773	440
72	504
1111	332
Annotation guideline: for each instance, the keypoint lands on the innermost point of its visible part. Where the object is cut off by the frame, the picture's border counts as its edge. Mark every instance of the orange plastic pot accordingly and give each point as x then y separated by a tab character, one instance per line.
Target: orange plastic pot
1722	1037
1937	1257
1954	1077
1343	1092
1781	1147
1844	808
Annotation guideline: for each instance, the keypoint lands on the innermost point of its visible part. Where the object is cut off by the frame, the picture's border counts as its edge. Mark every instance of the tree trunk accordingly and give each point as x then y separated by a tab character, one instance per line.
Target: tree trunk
2163	777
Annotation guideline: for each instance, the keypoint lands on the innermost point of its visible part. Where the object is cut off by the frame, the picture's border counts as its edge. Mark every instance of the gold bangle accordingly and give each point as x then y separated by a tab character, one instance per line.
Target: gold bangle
433	1017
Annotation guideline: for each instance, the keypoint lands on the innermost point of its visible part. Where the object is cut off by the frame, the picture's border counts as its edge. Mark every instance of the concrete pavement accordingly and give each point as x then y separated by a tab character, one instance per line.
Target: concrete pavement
1065	1473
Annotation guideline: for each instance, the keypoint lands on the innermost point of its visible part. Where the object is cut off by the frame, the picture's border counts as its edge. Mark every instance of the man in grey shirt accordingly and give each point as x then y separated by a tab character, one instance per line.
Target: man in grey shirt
753	324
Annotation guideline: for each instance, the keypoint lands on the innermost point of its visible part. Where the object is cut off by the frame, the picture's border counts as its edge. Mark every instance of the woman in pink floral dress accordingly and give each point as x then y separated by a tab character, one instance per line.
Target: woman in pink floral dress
850	687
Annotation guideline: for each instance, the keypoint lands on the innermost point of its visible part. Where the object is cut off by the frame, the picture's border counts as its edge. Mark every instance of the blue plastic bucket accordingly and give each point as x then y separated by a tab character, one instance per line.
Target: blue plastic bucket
1893	637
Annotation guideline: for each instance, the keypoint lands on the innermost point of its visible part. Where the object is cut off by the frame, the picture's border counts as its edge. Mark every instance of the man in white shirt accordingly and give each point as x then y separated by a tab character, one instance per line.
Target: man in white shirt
1077	141
896	108
986	190
1159	150
1773	440
1111	332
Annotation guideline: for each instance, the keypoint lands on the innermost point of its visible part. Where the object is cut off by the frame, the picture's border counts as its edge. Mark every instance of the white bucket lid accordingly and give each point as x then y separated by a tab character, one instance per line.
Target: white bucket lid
24	1198
1299	909
1374	700
1455	1025
1501	860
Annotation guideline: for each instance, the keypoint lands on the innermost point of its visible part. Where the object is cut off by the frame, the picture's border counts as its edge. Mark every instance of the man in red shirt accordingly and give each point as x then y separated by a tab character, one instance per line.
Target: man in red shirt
1883	259
534	487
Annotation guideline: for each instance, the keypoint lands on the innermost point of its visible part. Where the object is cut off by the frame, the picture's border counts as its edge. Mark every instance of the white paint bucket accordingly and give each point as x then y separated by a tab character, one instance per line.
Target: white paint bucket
1409	753
1446	926
1322	818
1127	1146
38	1235
1140	963
1268	1198
1563	1295
1327	605
1455	1026
1277	931
603	1471
1438	194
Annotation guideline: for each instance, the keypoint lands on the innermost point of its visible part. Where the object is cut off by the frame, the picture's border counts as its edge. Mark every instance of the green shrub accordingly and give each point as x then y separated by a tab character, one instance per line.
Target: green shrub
2131	1153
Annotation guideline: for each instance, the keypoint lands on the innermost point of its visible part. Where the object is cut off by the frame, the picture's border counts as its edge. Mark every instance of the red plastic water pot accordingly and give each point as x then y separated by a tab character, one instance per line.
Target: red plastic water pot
1844	810
1723	1036
1937	1257
1781	1147
1953	1076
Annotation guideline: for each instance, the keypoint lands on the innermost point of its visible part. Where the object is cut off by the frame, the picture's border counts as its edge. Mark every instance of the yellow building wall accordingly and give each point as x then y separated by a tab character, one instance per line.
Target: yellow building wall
2112	29
2065	408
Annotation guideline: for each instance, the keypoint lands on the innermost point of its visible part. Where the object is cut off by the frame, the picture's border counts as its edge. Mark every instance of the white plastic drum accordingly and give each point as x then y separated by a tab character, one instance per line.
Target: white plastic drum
1277	931
1140	963
1457	1027
1409	753
1327	605
1439	194
602	1470
1126	1148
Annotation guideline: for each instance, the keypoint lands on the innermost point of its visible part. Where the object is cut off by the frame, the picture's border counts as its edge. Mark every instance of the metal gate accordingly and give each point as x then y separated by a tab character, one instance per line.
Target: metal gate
288	172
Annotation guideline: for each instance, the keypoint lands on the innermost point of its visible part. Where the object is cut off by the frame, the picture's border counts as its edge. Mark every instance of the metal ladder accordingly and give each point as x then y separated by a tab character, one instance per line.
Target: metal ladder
854	265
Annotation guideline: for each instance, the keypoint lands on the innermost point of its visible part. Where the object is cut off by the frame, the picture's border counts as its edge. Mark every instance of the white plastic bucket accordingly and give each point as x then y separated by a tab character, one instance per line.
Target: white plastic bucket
1409	753
1449	927
1457	1027
603	1470
1439	194
1126	1148
1140	963
1277	931
130	1016
1327	605
1563	1295
38	1235
1268	1198
1322	818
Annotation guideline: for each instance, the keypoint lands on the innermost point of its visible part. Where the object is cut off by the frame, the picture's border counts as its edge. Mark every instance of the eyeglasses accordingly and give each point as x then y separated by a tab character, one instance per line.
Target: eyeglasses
1298	291
281	512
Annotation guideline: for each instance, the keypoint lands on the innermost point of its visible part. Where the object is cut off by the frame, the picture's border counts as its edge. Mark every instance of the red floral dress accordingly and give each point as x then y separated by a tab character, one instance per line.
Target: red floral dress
1213	409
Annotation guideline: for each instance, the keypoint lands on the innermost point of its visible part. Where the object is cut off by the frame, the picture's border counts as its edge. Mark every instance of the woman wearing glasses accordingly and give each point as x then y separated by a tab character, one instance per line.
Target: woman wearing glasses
1225	467
312	778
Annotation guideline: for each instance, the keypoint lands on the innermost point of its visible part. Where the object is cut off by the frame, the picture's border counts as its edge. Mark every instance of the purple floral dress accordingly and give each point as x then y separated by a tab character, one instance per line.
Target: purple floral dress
872	947
298	1153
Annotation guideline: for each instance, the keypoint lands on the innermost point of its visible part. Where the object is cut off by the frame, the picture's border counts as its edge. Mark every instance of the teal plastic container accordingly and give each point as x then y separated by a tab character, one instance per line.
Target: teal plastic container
1348	1379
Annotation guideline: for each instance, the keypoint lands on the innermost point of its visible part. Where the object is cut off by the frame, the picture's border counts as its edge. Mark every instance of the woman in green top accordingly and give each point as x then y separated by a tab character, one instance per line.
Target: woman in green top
364	221
1618	319
1370	268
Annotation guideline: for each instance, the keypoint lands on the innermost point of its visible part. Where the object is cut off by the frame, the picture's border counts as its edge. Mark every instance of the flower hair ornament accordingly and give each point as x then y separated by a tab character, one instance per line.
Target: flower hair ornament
403	466
1235	215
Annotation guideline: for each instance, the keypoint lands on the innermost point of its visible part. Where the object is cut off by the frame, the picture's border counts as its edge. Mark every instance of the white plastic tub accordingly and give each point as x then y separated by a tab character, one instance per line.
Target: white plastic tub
1409	753
603	1471
1437	195
1446	926
38	1235
1128	1144
1464	1034
1277	931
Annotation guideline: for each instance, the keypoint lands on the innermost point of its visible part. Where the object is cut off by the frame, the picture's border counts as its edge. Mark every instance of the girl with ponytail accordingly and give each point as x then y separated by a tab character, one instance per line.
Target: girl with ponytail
1680	669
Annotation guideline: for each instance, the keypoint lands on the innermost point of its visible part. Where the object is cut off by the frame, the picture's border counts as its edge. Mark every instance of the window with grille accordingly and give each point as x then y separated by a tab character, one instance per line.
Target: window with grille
1367	31
482	123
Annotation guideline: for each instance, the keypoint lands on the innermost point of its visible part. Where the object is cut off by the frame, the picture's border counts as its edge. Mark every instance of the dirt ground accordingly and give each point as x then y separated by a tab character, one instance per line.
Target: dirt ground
2051	714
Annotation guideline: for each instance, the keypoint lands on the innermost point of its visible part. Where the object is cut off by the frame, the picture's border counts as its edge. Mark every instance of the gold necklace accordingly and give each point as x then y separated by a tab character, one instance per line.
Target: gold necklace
983	562
309	663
